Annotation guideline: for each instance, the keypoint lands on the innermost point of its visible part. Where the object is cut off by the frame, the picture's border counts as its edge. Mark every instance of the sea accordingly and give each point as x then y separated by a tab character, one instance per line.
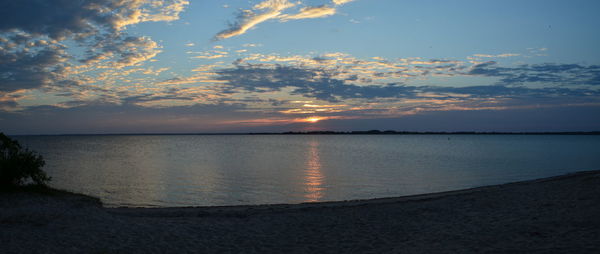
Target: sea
219	170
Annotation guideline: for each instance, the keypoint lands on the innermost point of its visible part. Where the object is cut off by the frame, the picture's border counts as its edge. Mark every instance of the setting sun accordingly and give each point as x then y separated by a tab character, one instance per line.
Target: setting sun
314	119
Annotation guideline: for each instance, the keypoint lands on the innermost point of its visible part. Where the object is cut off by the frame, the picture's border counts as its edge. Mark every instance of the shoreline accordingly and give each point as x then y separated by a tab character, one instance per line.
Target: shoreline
353	202
555	214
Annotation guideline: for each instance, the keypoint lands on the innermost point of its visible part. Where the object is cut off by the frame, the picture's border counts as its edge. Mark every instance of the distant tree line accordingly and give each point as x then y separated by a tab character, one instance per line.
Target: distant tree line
392	132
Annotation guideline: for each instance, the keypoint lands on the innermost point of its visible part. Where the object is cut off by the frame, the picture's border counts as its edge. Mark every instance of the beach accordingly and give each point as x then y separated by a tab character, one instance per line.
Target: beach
552	215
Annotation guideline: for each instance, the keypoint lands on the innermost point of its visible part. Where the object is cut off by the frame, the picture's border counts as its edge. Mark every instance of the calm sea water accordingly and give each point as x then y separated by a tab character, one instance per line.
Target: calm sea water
206	170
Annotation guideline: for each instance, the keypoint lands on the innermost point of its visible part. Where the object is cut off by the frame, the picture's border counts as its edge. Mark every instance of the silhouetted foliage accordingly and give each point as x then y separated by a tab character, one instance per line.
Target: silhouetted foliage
19	166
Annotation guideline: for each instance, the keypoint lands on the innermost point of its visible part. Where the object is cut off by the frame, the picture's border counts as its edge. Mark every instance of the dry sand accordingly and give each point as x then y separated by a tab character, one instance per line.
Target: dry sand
552	215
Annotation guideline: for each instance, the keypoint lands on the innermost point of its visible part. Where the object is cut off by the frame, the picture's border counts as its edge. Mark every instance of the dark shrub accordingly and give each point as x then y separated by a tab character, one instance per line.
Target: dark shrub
19	166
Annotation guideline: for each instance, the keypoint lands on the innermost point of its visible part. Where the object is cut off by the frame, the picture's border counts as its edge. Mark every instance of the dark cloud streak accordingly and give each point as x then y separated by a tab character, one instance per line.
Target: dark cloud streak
322	84
564	74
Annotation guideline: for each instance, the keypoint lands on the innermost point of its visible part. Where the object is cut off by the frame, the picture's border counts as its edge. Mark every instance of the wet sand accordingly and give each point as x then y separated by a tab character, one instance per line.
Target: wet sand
552	215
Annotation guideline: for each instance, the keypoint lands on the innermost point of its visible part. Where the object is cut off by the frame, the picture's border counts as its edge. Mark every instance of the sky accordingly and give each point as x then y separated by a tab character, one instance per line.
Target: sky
213	66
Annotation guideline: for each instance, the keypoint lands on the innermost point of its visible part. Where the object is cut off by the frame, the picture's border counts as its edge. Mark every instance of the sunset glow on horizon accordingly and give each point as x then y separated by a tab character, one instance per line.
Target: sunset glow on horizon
313	119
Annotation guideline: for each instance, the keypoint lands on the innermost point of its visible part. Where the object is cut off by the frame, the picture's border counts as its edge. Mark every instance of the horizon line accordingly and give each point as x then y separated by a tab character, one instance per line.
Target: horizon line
369	132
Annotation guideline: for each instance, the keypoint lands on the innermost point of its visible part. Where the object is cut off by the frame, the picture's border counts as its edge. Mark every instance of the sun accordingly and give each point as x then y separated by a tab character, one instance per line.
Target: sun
313	119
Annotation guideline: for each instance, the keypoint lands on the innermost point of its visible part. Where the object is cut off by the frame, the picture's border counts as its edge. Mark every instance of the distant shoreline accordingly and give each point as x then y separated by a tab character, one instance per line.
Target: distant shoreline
370	132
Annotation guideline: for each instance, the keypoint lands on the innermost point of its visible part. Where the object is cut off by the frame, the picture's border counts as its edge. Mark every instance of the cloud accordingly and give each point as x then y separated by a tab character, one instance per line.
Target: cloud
8	101
61	19
126	51
340	2
210	56
310	12
548	73
273	9
338	84
494	56
365	71
249	92
325	84
33	36
247	19
502	91
33	65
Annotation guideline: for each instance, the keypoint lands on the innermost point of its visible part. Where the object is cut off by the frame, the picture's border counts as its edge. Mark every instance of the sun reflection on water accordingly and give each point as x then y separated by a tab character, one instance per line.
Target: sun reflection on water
313	177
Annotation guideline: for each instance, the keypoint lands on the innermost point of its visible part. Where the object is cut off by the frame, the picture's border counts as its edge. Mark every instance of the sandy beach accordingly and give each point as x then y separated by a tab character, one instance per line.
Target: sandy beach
551	215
